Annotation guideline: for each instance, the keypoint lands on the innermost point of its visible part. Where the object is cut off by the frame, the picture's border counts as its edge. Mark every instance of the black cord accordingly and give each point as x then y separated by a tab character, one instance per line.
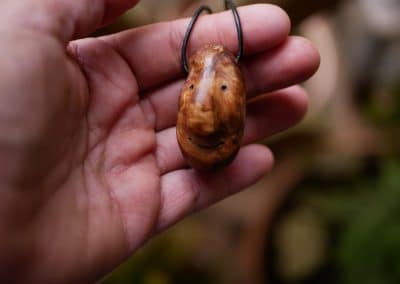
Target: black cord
189	32
228	5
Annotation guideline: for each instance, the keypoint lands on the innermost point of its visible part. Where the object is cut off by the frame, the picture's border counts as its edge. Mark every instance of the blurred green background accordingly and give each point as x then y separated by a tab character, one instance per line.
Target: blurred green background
329	212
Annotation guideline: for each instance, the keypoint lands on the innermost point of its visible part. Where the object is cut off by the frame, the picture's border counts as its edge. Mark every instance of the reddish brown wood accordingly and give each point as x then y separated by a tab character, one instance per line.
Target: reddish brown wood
212	109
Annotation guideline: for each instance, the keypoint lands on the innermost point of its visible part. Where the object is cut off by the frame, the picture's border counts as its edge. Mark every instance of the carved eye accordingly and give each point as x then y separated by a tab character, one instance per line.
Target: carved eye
224	87
191	87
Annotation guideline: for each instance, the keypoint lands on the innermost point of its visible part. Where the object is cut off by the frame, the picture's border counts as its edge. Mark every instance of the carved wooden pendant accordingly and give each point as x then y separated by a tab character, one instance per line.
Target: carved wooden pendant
212	109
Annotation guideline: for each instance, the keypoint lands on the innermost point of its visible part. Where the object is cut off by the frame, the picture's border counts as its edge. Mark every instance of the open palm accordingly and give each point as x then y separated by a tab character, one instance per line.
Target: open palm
90	166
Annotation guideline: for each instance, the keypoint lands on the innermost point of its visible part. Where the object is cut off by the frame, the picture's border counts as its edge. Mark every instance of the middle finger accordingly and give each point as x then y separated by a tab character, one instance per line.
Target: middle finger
289	64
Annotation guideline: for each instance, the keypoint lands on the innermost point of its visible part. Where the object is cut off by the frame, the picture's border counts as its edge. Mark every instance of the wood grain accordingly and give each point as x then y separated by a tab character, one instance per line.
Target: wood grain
212	109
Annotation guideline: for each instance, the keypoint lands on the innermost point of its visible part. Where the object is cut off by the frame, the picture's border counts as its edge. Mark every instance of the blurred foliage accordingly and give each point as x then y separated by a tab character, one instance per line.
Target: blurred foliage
369	248
166	261
385	110
362	216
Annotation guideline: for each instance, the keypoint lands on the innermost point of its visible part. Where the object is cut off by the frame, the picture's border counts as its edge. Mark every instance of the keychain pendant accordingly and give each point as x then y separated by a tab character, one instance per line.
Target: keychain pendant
212	109
212	105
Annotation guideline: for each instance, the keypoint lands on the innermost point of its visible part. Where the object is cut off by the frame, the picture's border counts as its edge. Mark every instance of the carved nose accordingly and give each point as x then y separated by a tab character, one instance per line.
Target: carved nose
202	123
203	130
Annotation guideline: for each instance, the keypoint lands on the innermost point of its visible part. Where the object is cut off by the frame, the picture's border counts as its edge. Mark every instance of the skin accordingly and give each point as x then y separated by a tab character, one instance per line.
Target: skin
90	168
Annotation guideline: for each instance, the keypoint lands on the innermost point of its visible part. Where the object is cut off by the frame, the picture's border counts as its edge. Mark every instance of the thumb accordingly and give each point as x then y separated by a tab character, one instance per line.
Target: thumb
66	19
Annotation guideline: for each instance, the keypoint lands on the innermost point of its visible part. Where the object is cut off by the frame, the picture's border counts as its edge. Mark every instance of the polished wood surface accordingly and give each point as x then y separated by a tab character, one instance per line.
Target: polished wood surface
212	109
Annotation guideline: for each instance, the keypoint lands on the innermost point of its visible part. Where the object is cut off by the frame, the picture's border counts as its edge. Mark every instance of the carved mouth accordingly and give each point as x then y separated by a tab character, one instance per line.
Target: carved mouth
206	145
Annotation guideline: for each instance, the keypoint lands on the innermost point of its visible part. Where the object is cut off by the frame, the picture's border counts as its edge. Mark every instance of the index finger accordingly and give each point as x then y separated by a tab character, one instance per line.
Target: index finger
153	52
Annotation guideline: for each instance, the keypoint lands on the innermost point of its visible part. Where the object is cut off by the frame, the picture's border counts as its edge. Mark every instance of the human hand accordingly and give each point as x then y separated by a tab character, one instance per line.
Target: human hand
90	168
